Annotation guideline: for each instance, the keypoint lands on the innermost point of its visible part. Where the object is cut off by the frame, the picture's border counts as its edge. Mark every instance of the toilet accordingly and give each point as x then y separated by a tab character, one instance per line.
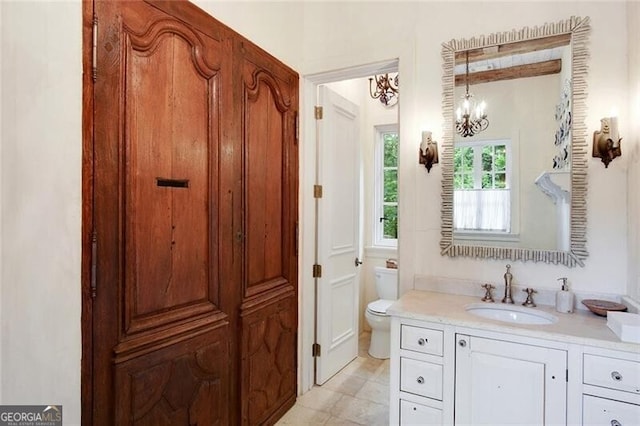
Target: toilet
376	313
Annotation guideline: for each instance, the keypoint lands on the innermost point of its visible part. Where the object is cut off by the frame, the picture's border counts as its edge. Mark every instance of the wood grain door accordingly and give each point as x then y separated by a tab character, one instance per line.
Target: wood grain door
190	220
268	104
164	305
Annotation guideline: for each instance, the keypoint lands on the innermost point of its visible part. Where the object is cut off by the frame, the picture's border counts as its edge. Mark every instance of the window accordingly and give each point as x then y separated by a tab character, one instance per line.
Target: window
386	187
481	186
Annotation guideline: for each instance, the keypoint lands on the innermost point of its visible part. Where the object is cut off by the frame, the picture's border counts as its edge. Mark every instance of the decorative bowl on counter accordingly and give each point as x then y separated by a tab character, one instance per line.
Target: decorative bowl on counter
601	307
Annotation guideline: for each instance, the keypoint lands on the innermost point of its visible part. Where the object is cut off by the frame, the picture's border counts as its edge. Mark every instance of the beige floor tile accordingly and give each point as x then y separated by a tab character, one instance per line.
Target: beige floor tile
336	421
364	340
299	415
375	392
367	368
334	402
361	411
345	383
319	398
382	374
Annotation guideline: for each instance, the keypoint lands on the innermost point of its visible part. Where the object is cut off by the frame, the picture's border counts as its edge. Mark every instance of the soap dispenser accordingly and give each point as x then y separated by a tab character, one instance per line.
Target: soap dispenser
564	298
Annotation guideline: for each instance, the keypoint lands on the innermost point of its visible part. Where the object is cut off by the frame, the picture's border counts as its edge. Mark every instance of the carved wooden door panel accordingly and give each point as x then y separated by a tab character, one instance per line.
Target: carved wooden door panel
163	312
269	108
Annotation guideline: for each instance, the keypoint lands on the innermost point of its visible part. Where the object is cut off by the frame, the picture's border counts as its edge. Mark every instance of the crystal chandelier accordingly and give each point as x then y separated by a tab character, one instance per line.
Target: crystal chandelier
471	118
386	89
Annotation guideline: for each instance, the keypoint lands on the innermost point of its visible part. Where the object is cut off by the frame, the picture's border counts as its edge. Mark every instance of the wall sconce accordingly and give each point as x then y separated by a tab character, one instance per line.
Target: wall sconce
606	141
428	152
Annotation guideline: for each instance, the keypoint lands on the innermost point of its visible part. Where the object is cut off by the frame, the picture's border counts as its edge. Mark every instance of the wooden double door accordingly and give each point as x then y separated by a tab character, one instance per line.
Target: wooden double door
189	221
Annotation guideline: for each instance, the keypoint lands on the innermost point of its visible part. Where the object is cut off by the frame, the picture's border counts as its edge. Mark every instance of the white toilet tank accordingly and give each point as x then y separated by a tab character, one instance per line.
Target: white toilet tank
386	282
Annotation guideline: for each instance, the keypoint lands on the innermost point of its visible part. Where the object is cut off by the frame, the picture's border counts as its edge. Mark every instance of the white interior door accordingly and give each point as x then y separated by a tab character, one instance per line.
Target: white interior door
338	234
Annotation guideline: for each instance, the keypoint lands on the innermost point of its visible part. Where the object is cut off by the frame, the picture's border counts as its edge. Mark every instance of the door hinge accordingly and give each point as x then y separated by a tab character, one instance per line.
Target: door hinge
94	53
315	349
567	375
317	271
317	191
94	264
297	237
318	112
297	127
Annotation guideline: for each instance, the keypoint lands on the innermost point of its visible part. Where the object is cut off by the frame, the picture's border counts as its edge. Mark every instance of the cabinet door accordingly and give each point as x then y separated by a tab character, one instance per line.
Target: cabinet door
501	382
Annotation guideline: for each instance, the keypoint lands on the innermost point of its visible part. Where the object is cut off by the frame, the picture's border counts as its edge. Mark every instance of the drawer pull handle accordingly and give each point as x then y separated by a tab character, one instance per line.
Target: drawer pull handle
462	343
615	423
616	376
423	341
420	380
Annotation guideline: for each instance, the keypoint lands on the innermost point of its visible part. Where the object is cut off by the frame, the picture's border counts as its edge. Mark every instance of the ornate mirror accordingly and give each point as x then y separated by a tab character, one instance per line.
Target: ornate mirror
514	167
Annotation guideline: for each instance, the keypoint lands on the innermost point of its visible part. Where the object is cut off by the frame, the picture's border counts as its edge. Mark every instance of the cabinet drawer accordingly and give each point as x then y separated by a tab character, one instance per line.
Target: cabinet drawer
418	414
421	378
612	373
422	340
602	411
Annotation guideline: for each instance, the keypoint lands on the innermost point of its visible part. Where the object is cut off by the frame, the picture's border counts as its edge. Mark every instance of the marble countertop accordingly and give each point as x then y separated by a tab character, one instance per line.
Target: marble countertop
580	327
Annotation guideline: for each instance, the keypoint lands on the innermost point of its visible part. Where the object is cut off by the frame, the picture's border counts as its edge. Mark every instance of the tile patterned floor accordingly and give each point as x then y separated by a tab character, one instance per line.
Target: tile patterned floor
357	395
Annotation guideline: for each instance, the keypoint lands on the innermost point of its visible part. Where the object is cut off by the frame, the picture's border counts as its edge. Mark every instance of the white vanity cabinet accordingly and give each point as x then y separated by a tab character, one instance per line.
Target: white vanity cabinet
503	383
484	377
450	367
611	387
420	377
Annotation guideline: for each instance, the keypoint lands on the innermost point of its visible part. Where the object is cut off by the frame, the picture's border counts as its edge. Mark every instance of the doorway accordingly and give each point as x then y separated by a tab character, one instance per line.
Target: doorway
353	84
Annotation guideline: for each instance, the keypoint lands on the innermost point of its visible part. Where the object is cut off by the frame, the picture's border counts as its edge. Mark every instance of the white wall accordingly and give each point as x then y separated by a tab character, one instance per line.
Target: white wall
376	114
631	147
40	153
275	26
339	35
40	200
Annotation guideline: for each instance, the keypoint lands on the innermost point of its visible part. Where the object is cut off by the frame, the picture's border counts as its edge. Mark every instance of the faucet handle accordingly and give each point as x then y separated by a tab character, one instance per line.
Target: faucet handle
529	301
487	296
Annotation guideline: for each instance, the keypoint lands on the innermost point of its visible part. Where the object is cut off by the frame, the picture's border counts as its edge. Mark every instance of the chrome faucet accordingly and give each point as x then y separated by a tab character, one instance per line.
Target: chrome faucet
507	286
529	301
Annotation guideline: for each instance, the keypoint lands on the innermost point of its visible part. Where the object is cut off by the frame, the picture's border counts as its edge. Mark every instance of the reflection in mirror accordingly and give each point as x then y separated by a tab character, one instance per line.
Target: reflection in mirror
515	189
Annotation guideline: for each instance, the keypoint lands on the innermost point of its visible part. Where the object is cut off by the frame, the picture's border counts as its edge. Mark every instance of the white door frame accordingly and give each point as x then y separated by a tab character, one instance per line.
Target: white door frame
307	231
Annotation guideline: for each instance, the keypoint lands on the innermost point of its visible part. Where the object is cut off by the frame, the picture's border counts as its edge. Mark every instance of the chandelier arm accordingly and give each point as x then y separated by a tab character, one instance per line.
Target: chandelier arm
385	90
375	95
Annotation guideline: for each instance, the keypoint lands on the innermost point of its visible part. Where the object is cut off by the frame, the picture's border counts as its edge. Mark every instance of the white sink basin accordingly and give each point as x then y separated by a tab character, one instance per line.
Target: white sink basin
511	313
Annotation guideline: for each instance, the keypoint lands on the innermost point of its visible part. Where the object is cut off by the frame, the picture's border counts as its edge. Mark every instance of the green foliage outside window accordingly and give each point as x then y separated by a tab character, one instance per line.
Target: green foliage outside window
390	229
463	168
390	186
494	167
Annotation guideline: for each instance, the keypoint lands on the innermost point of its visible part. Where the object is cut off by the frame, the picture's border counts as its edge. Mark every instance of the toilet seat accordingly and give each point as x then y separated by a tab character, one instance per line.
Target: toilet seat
379	307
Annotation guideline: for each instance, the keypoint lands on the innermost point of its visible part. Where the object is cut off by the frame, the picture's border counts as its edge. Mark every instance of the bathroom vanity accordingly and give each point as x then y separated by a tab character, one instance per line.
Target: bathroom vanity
451	366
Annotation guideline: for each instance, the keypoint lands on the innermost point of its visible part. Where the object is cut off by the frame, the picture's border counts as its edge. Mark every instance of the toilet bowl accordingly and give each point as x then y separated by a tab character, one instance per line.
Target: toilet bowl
376	314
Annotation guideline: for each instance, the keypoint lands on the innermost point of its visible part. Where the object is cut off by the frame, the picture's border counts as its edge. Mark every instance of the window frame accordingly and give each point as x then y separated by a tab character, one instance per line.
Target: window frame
477	152
378	209
492	235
